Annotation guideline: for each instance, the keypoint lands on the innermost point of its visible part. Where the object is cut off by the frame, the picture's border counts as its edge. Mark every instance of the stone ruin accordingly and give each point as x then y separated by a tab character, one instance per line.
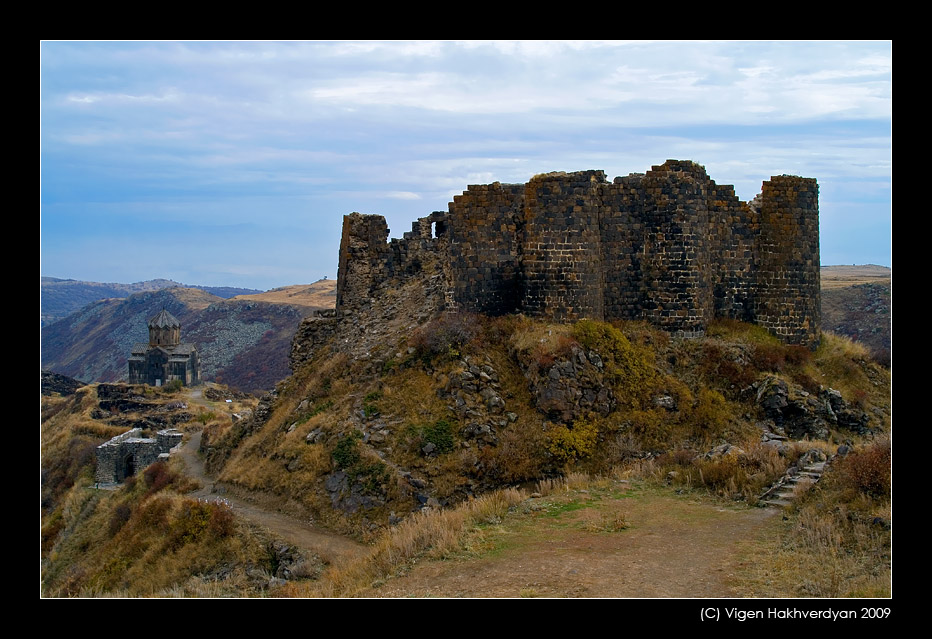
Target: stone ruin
126	454
670	246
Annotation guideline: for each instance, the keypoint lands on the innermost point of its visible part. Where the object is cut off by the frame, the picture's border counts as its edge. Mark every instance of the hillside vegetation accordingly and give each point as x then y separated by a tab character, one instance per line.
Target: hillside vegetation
413	446
466	405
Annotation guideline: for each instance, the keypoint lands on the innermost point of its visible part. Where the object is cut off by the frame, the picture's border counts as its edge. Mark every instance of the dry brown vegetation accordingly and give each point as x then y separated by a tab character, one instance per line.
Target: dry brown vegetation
833	277
325	414
321	294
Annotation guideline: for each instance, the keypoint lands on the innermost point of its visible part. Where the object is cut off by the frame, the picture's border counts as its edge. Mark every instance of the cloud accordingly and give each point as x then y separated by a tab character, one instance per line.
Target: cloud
308	131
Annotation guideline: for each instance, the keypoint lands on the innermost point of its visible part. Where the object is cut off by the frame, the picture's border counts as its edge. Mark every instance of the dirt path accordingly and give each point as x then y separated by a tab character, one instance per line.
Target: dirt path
329	546
672	547
567	545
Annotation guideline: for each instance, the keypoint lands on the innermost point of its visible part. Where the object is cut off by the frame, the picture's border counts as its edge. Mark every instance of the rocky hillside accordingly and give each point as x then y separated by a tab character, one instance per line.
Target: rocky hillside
861	312
243	342
396	407
394	413
59	298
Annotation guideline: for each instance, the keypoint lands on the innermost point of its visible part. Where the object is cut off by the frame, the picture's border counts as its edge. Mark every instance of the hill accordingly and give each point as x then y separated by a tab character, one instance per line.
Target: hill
319	295
414	448
857	303
840	276
59	298
244	342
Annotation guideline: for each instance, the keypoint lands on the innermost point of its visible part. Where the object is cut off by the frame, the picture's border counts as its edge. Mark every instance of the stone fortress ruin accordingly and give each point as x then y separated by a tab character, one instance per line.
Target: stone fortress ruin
124	455
669	246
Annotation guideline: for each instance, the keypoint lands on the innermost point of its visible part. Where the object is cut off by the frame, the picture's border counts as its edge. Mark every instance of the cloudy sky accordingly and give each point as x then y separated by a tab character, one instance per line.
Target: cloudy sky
233	163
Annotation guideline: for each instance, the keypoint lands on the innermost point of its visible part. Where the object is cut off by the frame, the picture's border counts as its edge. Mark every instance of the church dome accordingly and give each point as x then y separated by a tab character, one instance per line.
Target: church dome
164	320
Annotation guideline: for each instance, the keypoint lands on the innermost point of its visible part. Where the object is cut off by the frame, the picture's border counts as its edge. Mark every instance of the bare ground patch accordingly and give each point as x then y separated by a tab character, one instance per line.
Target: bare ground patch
620	542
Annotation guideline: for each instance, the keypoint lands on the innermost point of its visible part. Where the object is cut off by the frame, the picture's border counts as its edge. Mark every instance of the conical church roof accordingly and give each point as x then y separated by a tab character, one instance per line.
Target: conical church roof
164	320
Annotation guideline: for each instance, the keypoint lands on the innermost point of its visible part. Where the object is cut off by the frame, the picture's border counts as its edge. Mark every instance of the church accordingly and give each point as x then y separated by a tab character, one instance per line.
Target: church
164	358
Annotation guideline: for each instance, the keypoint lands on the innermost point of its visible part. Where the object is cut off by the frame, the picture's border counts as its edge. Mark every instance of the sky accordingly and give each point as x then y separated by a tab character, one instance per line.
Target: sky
233	163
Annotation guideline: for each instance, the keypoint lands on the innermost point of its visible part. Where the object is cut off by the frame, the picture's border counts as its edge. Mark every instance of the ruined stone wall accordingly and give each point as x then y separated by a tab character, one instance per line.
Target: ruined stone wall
128	454
670	246
562	249
733	229
364	259
656	247
786	278
485	232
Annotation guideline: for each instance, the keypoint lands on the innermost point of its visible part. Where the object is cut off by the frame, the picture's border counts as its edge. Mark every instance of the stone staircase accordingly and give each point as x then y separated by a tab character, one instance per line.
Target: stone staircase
796	481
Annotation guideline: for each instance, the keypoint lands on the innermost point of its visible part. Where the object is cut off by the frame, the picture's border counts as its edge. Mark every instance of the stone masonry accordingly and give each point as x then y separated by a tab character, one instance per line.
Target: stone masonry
670	246
127	454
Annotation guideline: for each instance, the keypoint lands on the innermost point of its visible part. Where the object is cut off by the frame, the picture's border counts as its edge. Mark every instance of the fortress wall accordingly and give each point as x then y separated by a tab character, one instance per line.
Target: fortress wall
562	256
786	280
622	239
733	228
669	246
668	211
484	229
365	257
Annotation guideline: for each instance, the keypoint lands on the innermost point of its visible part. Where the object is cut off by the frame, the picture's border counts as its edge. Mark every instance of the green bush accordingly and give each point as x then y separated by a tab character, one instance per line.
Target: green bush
440	434
369	406
628	368
173	386
346	453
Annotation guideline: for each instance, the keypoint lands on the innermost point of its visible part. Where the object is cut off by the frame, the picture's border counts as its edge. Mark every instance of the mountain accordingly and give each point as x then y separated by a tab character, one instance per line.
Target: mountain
58	298
243	342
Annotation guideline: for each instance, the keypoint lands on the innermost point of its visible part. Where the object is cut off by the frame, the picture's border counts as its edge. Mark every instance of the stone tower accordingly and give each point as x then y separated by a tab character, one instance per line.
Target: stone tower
164	330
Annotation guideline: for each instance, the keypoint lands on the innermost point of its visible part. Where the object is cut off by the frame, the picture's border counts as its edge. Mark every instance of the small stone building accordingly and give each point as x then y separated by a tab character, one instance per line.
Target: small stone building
164	358
126	454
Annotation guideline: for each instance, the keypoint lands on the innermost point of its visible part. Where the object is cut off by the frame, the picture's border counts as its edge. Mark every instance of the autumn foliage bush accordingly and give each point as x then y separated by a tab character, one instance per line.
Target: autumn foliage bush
445	335
868	471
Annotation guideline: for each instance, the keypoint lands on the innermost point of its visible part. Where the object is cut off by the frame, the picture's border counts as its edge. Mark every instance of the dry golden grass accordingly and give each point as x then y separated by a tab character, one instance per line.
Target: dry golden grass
841	276
195	298
434	533
529	337
321	294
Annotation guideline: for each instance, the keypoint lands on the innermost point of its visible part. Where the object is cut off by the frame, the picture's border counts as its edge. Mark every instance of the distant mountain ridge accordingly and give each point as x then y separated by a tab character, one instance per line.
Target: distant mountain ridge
59	298
243	342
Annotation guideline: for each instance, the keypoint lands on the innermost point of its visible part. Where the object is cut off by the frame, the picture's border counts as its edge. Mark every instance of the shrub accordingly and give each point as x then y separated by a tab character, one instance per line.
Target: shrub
157	476
440	434
369	406
445	335
191	524
867	471
346	453
119	517
221	521
570	444
628	368
153	514
173	386
711	414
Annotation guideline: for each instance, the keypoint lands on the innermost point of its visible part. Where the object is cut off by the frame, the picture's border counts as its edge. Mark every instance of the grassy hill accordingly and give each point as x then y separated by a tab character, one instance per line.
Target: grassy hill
425	435
415	450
